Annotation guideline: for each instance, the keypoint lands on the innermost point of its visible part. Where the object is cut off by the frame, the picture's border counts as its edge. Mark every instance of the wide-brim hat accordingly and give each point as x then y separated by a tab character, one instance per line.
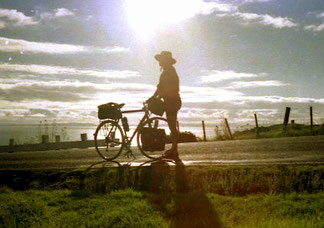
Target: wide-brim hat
165	56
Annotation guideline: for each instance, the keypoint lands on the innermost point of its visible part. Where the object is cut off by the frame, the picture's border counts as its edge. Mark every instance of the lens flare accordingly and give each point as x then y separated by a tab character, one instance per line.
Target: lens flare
148	17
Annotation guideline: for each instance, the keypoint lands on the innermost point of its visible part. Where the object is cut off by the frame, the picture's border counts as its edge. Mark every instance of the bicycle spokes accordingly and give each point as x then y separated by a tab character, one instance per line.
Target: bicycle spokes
109	140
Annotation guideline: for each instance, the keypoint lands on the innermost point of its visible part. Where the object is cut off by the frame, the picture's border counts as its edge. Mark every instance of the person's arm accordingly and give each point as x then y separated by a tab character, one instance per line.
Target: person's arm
155	95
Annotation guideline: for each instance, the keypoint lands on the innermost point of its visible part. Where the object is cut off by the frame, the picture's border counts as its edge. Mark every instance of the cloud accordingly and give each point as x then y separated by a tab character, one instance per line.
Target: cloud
314	28
261	112
134	94
279	99
232	10
16	89
267	20
12	17
16	45
320	15
255	1
48	93
194	94
210	7
218	76
58	70
12	82
244	118
316	14
204	95
38	112
76	100
263	19
60	12
15	18
257	84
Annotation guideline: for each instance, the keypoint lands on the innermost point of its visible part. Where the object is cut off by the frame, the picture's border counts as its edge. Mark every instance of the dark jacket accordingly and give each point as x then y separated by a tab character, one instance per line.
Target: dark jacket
168	86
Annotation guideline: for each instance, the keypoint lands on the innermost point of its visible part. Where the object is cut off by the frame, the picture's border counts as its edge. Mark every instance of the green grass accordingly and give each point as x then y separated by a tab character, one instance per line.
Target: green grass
65	208
276	131
129	208
292	210
164	196
226	180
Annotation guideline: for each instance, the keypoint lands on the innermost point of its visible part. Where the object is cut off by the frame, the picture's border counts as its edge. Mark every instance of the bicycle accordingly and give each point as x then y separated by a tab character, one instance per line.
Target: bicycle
111	138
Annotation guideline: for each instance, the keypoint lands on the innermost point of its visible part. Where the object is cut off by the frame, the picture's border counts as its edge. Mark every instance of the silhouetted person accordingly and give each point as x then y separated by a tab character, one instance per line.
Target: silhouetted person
168	89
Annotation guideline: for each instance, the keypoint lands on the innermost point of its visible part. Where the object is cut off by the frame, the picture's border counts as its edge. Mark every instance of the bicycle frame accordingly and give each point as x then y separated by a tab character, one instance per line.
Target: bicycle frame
144	118
124	142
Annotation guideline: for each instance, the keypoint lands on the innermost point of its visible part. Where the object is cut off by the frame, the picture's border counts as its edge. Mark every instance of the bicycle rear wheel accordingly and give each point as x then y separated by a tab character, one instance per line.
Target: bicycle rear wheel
159	123
109	139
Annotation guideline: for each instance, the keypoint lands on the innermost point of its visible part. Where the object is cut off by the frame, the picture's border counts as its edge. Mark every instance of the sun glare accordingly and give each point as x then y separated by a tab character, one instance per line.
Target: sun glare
147	17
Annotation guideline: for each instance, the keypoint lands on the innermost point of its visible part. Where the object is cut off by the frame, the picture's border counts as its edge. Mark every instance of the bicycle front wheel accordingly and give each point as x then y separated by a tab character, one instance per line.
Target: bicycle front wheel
158	123
109	140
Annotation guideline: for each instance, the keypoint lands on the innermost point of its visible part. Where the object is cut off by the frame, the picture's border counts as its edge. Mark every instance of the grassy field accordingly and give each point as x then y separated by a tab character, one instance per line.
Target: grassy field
275	131
129	208
164	196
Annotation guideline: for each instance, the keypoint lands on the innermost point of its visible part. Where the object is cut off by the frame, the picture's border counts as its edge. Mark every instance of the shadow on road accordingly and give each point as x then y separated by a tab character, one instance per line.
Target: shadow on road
168	189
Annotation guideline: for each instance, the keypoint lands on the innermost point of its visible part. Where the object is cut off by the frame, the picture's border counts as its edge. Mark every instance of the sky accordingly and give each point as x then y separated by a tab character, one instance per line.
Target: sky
59	60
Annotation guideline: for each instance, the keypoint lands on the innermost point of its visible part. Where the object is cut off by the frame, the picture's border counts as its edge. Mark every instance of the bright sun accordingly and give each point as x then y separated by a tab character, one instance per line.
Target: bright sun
147	17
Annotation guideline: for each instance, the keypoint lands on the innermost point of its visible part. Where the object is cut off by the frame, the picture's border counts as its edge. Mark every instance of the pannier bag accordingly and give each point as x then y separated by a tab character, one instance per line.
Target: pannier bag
156	106
109	111
153	139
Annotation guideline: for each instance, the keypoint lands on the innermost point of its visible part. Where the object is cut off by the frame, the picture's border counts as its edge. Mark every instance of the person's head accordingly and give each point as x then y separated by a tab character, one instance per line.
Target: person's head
165	59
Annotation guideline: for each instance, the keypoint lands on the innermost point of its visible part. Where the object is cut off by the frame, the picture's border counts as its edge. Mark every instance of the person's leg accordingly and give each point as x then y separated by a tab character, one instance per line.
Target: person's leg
172	122
171	109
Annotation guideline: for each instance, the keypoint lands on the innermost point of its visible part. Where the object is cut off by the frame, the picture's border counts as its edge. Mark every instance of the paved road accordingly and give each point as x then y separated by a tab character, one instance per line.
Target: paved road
296	150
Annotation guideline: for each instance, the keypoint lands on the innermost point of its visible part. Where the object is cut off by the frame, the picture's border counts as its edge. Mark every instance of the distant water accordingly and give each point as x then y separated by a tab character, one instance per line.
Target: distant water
32	133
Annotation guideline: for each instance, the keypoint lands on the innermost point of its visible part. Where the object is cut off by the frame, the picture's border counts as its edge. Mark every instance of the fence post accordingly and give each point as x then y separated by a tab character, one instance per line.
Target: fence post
311	119
11	142
57	138
229	129
204	131
286	119
45	139
256	125
84	137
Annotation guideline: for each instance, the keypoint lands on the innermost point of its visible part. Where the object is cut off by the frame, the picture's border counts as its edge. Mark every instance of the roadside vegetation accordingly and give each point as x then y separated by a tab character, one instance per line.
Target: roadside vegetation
129	208
164	196
276	131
